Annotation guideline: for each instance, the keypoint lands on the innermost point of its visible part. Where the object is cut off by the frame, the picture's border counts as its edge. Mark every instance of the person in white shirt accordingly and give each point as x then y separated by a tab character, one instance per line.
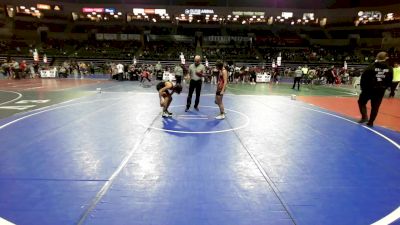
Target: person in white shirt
120	71
297	77
178	73
196	72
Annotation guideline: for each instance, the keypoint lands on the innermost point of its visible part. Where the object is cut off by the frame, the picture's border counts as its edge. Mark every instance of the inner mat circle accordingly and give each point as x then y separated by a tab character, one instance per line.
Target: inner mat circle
194	122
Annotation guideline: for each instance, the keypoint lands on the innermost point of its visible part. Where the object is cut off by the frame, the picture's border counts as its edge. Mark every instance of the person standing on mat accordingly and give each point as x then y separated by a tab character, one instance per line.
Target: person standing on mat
196	72
221	86
165	90
396	80
374	82
178	73
297	78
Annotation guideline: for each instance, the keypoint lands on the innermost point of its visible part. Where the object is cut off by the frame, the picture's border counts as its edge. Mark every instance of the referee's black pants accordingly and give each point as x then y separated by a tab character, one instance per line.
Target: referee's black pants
194	85
376	96
296	80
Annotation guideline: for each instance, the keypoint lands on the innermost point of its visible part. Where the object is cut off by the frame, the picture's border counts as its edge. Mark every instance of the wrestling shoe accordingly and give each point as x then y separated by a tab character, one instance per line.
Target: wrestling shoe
220	117
165	115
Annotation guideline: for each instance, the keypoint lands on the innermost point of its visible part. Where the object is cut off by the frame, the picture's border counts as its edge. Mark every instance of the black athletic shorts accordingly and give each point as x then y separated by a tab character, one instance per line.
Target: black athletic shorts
219	93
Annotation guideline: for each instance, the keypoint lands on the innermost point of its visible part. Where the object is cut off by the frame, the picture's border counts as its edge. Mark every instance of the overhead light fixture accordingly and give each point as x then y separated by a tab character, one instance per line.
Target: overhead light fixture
22	7
120	13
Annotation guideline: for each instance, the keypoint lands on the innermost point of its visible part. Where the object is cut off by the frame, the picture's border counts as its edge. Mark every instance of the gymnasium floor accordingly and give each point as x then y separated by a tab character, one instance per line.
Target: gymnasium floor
72	155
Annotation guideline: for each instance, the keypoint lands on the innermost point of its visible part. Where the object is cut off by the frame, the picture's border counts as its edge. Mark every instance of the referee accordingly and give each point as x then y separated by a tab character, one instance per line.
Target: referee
374	82
196	72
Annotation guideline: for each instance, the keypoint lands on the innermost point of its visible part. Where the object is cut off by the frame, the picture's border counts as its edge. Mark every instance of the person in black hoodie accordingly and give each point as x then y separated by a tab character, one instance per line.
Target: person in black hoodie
376	78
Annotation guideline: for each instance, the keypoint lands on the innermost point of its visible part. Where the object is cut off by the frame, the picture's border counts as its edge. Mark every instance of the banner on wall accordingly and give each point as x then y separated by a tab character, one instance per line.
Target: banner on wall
226	39
119	37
